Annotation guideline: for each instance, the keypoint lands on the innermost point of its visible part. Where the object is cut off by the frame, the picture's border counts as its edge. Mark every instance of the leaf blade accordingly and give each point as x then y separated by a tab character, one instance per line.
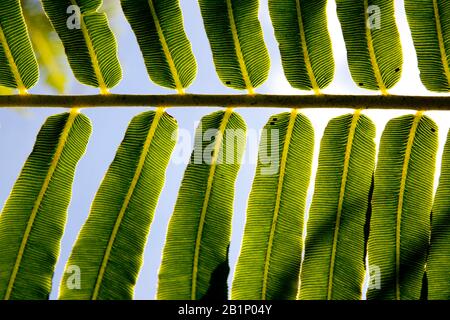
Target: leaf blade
373	42
90	49
158	26
237	42
430	29
304	42
333	267
401	206
33	219
275	211
18	65
438	264
110	246
195	256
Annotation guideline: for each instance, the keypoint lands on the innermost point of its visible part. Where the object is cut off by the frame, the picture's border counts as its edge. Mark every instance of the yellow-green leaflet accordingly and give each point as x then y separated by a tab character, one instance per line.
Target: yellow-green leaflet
89	43
110	246
18	66
374	51
195	257
235	35
429	21
269	263
159	30
333	267
438	264
304	42
401	207
33	219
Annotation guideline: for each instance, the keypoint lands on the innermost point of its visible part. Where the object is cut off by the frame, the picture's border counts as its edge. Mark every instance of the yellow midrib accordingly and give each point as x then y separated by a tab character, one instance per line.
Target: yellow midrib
58	152
441	41
14	69
304	45
373	57
126	202
162	39
409	146
92	54
237	46
348	151
218	143
284	157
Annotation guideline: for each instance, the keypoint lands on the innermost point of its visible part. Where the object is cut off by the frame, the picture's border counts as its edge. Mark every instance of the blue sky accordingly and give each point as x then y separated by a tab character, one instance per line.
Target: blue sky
18	130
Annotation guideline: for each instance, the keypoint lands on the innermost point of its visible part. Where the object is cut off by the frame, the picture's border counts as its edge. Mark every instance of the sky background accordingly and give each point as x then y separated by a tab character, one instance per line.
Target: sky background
18	130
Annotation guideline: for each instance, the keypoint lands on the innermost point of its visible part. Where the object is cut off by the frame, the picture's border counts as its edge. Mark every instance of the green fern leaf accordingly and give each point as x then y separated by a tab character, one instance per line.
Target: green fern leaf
438	266
33	219
401	206
110	246
373	42
91	49
333	267
269	263
195	258
429	21
18	65
158	26
235	35
304	42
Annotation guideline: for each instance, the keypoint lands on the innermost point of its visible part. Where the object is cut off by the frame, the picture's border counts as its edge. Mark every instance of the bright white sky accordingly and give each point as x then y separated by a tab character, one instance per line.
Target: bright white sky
17	133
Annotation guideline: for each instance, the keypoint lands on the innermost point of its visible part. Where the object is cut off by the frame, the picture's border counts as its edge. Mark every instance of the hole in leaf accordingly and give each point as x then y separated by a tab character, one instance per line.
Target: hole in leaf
433	130
361	84
397	70
228	82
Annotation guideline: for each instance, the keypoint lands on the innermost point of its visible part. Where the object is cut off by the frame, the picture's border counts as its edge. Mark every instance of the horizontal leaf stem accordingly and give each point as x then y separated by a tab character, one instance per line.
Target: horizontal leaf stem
422	103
